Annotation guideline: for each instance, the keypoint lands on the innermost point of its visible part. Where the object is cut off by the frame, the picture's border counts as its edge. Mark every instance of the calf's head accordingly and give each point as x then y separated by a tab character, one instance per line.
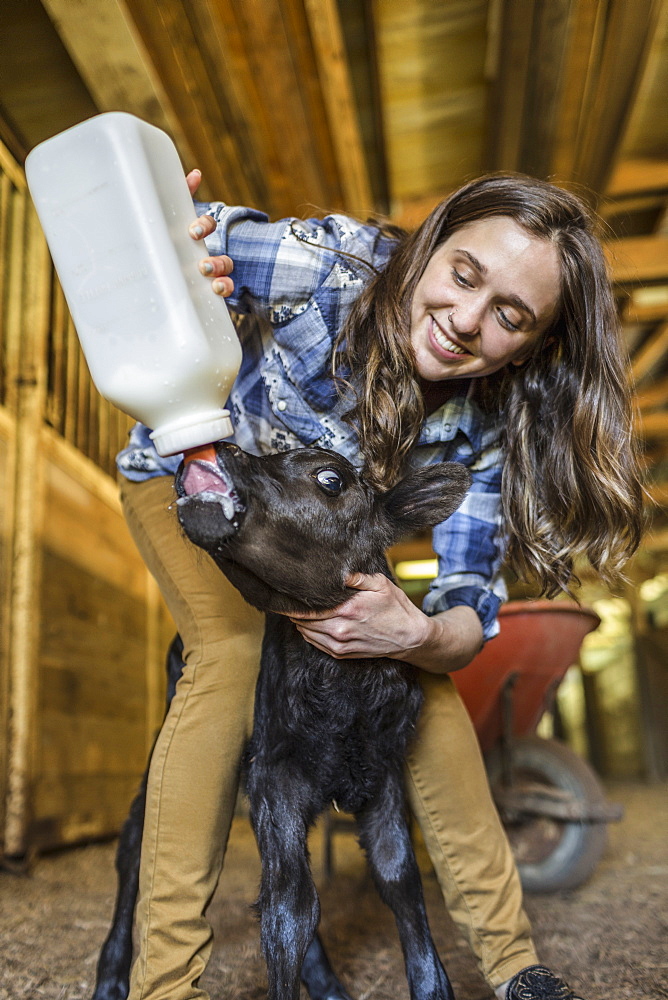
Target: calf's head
287	529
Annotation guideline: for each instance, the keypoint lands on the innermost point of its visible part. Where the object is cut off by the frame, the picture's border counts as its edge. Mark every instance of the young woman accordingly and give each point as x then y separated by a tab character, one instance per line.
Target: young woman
488	337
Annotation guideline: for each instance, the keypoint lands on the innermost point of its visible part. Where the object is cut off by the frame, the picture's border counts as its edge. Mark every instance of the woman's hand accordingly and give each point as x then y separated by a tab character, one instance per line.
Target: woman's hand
217	268
379	620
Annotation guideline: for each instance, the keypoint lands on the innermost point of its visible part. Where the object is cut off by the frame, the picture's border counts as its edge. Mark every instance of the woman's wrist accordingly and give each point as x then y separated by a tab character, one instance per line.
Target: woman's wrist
449	640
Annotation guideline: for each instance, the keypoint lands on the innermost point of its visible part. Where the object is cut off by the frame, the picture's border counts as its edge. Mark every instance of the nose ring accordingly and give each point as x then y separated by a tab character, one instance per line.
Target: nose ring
450	315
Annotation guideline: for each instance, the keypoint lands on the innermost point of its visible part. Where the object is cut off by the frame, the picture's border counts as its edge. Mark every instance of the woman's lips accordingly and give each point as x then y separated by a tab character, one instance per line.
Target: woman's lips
443	344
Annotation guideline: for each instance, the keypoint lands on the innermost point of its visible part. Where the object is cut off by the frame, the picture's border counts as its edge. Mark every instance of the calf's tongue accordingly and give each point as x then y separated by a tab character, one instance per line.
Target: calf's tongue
202	477
201	474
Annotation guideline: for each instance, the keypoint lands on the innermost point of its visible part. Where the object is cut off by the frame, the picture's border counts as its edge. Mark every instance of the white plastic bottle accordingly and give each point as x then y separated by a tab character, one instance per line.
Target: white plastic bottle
113	201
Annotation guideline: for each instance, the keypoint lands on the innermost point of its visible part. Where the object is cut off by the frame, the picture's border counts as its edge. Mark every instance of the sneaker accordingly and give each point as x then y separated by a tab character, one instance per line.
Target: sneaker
538	983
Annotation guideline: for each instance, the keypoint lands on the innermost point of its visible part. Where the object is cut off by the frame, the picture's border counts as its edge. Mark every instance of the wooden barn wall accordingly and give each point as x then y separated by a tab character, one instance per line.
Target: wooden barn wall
83	630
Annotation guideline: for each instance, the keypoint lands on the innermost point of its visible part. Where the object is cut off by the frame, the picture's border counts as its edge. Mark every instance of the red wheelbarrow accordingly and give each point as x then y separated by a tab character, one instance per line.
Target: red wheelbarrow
550	800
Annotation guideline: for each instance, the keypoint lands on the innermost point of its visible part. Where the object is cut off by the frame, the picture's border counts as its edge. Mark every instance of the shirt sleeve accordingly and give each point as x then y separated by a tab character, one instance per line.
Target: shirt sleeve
470	547
280	266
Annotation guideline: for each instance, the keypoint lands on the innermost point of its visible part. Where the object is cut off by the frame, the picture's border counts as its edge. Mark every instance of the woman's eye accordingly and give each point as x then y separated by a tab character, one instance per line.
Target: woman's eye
460	279
329	481
509	325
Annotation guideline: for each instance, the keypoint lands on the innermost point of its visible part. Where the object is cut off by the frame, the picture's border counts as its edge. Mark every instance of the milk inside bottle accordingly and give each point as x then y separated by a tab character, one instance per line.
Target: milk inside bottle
115	207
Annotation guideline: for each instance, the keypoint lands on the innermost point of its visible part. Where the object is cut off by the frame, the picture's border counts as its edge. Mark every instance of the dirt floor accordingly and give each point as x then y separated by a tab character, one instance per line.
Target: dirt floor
609	938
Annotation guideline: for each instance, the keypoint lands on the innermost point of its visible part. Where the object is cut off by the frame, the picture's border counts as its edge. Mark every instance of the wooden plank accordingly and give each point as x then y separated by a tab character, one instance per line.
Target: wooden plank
659	493
28	488
325	26
545	80
638	259
632	177
646	305
14	316
225	53
7	457
291	131
81	388
508	69
581	60
57	389
359	33
305	70
651	352
431	61
174	50
77	809
94	538
647	132
71	382
629	32
6	193
654	424
10	167
654	395
109	53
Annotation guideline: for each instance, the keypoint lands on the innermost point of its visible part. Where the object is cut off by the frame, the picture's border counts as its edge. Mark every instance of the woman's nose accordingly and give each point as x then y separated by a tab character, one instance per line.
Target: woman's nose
466	317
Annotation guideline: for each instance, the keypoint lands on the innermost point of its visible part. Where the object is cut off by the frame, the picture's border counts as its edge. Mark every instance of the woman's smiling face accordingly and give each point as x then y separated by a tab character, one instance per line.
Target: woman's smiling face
486	296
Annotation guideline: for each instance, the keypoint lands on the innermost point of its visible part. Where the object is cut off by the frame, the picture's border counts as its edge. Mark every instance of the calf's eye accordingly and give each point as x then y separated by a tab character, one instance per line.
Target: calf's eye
329	481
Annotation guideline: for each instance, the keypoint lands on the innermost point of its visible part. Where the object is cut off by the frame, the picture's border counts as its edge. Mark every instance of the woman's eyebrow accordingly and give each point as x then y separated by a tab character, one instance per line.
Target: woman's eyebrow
514	300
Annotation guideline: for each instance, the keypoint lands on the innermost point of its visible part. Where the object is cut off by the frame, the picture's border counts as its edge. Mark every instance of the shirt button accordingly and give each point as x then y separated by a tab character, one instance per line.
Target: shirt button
281	405
447	427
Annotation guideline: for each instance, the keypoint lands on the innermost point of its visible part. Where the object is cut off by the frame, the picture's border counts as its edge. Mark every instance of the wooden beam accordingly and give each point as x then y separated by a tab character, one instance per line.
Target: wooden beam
564	85
543	96
578	83
508	68
638	259
646	305
431	60
329	46
626	43
173	46
113	62
633	177
659	493
651	352
654	425
656	541
654	395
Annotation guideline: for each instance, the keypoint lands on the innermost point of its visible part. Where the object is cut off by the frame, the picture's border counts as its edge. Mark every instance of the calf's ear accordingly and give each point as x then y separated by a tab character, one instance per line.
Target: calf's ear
426	497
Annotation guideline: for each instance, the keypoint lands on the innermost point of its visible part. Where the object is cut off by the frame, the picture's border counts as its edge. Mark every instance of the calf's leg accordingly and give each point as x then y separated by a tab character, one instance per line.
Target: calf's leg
385	838
281	807
318	975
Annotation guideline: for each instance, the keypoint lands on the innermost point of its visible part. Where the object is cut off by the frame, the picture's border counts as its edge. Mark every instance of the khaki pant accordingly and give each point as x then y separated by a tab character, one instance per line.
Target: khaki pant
195	770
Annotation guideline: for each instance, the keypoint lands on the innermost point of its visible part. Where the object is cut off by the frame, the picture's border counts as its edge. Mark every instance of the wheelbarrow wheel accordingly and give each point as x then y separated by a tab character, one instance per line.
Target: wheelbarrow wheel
551	853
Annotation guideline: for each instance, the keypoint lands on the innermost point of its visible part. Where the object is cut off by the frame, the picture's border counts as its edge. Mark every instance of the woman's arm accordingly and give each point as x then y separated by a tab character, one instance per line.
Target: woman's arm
380	620
282	268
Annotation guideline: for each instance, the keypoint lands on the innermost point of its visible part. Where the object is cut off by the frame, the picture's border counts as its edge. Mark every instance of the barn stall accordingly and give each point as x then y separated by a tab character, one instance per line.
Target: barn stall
288	104
421	98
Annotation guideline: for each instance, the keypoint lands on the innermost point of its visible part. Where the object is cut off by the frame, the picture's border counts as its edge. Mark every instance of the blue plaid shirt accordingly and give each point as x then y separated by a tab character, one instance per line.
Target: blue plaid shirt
293	292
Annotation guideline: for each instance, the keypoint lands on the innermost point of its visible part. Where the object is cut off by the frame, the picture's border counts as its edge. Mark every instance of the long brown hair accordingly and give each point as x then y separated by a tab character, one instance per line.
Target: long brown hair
571	480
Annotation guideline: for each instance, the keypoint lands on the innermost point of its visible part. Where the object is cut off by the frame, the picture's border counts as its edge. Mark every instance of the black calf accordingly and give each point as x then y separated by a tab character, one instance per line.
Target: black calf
287	530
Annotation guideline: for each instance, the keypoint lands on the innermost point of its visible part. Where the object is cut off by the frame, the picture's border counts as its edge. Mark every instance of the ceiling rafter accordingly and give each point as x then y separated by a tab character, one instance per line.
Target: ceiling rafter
563	92
654	395
323	19
113	61
638	259
650	353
